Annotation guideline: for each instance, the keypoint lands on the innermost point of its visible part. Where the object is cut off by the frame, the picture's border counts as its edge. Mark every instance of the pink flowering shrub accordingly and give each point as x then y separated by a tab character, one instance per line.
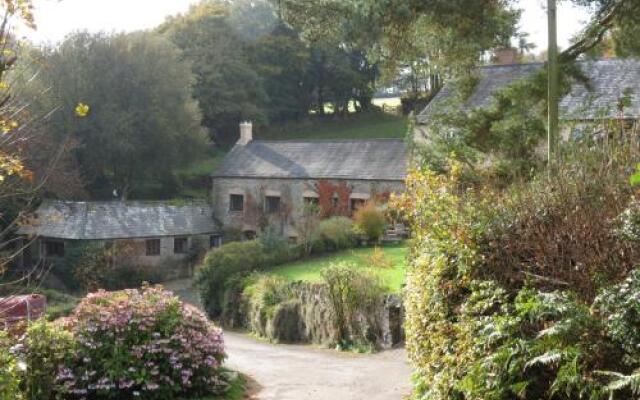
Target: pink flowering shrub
141	344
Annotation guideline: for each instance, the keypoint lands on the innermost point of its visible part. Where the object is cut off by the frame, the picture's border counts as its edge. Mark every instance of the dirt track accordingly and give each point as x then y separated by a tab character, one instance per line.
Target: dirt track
294	372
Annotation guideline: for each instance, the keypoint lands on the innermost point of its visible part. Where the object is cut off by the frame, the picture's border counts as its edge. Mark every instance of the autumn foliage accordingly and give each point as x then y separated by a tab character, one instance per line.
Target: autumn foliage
333	199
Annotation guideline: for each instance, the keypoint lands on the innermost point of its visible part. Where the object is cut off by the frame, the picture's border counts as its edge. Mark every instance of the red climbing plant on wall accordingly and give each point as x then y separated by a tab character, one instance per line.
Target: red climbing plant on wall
333	199
343	194
325	190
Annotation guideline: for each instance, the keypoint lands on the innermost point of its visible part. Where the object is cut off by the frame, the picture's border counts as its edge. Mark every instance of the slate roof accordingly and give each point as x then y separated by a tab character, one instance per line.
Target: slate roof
608	80
373	159
119	220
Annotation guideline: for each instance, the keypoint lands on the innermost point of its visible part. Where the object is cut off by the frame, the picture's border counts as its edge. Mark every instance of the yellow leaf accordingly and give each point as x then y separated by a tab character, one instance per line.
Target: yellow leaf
82	110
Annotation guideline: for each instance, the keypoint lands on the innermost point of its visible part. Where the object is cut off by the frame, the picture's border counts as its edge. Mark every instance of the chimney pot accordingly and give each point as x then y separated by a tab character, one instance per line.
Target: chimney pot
246	132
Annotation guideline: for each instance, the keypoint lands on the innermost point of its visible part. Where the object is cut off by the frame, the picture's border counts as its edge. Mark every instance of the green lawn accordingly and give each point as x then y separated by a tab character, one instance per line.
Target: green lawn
193	176
204	166
309	270
366	126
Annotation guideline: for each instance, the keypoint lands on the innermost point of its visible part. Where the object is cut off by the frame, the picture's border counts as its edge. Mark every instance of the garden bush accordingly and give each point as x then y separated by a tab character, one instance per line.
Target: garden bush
564	228
370	221
96	269
47	348
277	248
353	293
220	265
333	234
141	343
9	372
501	283
264	294
77	254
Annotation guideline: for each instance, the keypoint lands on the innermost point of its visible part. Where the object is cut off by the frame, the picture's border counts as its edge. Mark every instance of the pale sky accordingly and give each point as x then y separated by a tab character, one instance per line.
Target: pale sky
57	18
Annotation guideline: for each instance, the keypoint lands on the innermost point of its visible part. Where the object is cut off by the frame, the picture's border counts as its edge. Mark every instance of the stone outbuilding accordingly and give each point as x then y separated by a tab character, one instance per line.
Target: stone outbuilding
144	233
268	182
609	84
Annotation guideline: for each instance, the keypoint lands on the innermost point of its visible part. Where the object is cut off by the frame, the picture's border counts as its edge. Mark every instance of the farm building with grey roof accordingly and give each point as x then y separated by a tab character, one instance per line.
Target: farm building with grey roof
607	83
151	233
268	183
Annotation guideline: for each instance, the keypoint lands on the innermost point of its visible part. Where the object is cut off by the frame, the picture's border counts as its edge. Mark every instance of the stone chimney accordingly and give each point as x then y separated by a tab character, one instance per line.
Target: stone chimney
246	133
505	56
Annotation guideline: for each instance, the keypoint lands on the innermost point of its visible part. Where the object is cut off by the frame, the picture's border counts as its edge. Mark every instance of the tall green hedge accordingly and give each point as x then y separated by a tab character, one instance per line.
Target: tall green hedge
220	265
526	293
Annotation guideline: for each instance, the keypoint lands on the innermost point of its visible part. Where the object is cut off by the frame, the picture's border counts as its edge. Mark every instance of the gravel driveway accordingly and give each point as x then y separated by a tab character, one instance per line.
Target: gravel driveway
296	372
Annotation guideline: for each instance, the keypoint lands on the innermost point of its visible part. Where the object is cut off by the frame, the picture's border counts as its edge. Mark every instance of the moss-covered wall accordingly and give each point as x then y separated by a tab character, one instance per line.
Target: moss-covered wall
307	317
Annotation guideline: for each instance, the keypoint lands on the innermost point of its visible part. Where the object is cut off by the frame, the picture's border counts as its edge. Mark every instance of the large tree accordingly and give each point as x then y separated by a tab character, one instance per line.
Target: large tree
142	121
282	60
227	87
449	33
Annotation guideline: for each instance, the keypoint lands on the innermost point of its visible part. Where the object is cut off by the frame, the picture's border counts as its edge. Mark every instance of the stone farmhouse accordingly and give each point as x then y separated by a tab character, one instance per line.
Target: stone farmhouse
608	83
155	234
267	183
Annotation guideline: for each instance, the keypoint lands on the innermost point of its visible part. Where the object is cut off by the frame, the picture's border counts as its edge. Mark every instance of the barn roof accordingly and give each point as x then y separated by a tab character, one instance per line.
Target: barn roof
119	220
372	159
607	82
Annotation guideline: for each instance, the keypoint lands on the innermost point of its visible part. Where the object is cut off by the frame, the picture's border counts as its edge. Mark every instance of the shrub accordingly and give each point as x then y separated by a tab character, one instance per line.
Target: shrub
351	291
370	221
277	248
58	304
306	227
142	344
621	307
264	294
564	228
47	349
96	268
266	291
335	233
76	255
127	276
377	259
501	284
9	373
219	265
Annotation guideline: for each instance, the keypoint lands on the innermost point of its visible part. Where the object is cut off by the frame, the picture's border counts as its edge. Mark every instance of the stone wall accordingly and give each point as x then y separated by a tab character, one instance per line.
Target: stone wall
133	252
291	192
308	318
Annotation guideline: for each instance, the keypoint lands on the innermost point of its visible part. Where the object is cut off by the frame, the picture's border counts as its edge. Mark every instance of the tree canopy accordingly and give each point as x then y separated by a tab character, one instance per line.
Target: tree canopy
249	64
142	121
226	86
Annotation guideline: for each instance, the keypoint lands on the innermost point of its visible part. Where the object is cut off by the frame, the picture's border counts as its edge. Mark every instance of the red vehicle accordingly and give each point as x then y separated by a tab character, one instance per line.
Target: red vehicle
16	309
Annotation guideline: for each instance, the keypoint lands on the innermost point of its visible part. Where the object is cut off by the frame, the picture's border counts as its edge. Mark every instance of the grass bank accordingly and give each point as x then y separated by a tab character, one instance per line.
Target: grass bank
392	274
365	126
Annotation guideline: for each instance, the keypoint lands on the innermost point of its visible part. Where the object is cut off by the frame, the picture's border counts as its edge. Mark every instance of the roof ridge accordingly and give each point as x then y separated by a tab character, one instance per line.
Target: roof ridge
527	64
181	202
582	61
327	140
